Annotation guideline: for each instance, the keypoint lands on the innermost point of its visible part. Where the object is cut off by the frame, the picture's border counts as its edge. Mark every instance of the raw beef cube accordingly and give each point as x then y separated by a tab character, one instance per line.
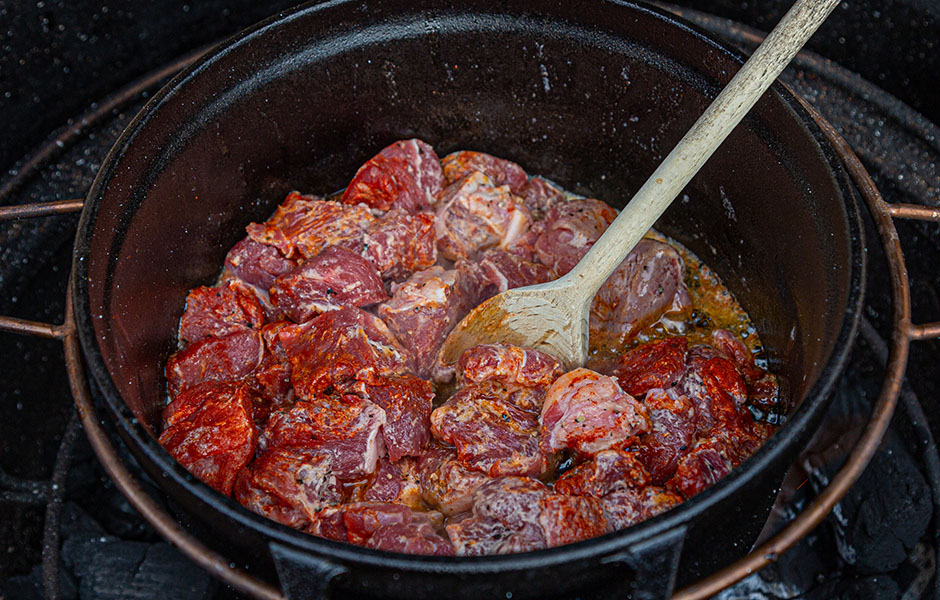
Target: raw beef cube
289	485
215	312
330	525
401	243
216	441
540	195
303	226
569	230
505	519
416	537
256	264
422	312
332	279
498	271
340	347
395	482
445	483
762	388
406	401
474	215
491	434
458	165
671	434
588	412
189	401
648	284
709	461
231	358
273	375
405	175
660	364
567	519
347	429
362	519
608	471
624	508
717	391
510	365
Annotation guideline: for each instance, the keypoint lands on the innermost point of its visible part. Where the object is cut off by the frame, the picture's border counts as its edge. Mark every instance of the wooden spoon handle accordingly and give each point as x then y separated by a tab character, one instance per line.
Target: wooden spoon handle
711	129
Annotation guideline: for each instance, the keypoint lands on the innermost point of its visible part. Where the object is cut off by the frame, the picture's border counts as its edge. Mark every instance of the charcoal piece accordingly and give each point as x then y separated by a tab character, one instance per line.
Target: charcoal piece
879	587
886	512
108	569
30	587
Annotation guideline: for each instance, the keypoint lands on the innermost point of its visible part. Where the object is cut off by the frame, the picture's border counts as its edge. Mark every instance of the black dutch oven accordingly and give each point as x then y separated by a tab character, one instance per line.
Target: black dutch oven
591	96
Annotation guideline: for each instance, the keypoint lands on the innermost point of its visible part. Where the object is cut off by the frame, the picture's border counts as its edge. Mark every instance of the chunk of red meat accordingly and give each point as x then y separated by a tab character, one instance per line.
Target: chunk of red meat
708	462
458	165
422	312
569	230
362	519
660	364
762	388
289	485
189	401
256	264
588	412
474	215
491	434
608	471
347	429
273	376
230	358
445	483
626	507
340	347
416	537
505	519
330	525
567	519
401	243
648	284
672	430
302	226
509	365
540	195
395	482
405	175
716	390
214	312
216	439
497	271
406	401
332	279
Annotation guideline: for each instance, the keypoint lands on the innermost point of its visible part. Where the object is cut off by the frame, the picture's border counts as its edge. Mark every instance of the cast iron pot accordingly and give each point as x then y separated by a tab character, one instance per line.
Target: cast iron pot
591	96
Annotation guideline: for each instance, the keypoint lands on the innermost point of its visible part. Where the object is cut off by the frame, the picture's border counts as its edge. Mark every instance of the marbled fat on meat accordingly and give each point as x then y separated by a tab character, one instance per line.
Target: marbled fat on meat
505	519
256	264
340	347
569	230
491	434
458	165
624	508
217	439
588	412
540	195
446	484
400	243
405	175
348	429
607	471
406	401
568	519
302	226
396	482
671	434
332	279
474	215
511	366
645	286
289	485
214	312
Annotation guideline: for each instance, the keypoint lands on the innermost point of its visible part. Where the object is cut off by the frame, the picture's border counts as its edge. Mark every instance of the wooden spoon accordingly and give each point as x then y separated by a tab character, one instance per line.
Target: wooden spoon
553	316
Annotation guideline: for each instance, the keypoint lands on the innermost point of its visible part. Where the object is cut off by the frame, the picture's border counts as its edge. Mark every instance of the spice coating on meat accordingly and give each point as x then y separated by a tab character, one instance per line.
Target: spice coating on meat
567	519
396	482
645	286
659	364
330	280
289	485
588	412
302	226
540	195
348	429
671	434
405	175
491	434
509	365
406	401
230	307
474	215
400	243
569	230
215	439
446	484
607	471
458	165
230	358
340	347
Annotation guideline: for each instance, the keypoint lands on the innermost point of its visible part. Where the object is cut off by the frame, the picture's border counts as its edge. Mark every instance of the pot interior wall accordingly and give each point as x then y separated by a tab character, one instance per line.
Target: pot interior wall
590	98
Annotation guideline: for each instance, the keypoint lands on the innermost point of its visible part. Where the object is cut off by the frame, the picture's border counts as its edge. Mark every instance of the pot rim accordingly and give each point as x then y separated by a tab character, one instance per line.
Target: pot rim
613	542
